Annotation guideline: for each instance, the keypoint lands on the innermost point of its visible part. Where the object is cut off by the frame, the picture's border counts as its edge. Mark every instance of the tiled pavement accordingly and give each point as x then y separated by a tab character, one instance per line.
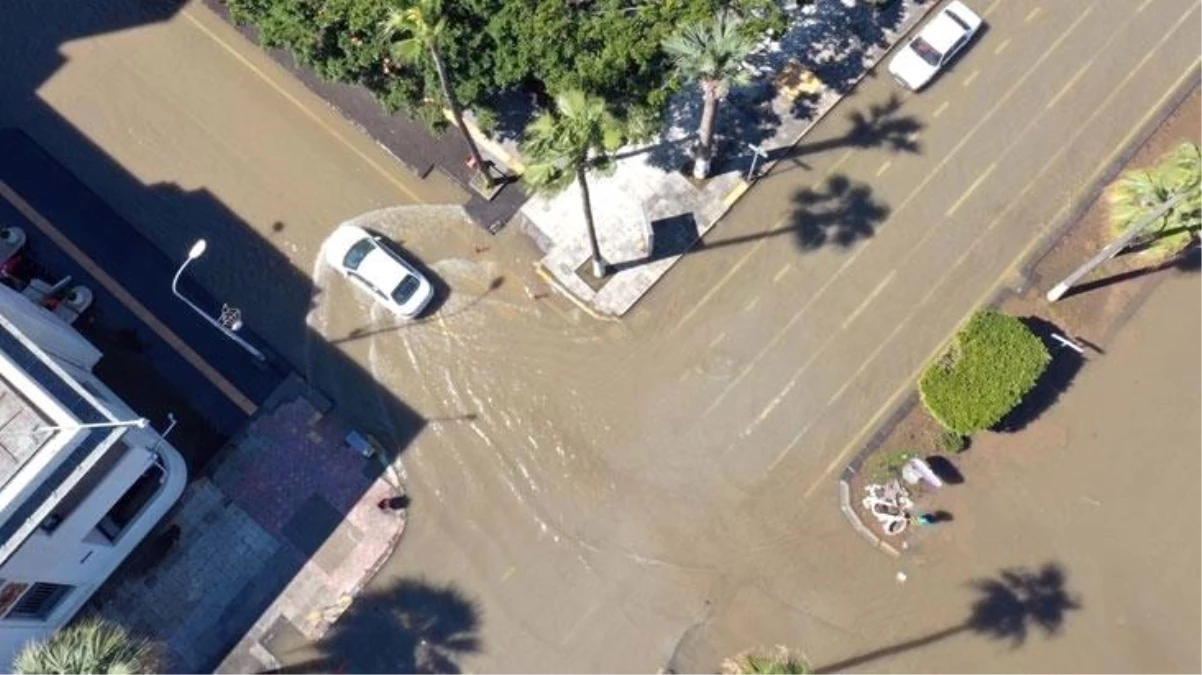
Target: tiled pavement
279	535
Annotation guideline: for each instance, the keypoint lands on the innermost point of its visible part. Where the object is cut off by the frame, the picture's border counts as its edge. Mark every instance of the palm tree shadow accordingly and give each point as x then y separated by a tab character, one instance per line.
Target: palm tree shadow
1006	610
881	127
840	213
412	626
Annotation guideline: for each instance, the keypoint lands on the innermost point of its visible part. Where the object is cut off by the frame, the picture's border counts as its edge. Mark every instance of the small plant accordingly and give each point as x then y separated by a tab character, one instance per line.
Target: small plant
881	466
951	442
779	660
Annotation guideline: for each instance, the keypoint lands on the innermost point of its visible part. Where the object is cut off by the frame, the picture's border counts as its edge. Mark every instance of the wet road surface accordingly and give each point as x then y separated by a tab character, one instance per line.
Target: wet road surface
623	496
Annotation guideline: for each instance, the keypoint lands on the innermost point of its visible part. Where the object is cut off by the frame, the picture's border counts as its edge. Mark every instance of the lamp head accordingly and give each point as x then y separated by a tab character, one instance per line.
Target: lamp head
197	249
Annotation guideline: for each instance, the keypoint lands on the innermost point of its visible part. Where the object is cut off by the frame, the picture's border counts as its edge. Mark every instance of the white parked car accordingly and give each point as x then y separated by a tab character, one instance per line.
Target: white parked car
362	257
934	46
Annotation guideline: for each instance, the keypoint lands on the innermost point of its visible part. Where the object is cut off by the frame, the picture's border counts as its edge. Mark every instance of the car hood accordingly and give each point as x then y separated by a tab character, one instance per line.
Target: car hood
909	67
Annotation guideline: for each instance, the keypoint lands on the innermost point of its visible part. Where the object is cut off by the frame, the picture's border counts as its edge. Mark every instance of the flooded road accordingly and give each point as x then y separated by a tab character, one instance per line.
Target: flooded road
651	493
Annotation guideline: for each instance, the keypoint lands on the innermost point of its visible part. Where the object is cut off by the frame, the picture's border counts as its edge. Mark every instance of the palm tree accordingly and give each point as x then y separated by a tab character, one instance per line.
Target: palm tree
90	646
423	27
1138	193
710	54
565	145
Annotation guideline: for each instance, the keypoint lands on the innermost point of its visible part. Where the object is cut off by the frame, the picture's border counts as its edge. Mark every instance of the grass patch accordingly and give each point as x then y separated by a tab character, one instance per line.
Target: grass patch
983	373
881	466
950	442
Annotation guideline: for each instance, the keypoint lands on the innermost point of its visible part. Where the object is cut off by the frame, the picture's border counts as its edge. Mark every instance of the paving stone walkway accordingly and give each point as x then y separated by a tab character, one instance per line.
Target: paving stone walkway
279	535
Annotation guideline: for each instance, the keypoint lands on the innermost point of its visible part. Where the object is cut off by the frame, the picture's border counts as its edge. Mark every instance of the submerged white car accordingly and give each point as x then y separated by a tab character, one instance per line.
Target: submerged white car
934	46
362	257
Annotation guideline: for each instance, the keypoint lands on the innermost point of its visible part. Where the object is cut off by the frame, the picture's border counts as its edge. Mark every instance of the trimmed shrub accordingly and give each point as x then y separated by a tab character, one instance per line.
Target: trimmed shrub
983	373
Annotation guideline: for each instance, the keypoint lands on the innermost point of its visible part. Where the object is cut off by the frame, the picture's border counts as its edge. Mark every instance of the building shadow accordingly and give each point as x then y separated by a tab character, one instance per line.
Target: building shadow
1054	381
409	626
1007	609
138	233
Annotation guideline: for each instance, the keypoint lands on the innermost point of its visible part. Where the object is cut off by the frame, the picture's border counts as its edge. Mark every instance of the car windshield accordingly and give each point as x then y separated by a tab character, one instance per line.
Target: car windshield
357	253
926	51
405	289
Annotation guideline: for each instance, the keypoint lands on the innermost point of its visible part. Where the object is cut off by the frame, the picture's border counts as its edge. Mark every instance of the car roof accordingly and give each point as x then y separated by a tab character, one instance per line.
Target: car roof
942	31
381	269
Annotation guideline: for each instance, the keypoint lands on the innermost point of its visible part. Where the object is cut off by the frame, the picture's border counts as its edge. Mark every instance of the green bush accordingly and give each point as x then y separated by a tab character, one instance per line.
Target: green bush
983	374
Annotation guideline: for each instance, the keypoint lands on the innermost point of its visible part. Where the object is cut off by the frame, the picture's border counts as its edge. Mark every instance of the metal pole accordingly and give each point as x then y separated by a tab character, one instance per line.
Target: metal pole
140	423
216	324
756	154
1112	249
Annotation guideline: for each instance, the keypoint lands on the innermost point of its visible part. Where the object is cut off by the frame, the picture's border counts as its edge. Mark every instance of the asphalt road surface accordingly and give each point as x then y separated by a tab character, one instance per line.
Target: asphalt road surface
625	496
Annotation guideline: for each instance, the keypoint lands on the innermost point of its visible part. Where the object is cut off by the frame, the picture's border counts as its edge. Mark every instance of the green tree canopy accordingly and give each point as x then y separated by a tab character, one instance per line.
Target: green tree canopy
611	48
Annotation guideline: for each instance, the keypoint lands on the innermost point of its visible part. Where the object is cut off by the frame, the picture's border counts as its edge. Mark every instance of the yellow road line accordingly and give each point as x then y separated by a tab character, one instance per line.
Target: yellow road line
747	256
884	167
716	287
733	196
908	382
971	77
939	111
388	175
780	274
1002	47
784	330
964	140
868	299
880	347
971	188
830	280
1032	14
124	297
1071	81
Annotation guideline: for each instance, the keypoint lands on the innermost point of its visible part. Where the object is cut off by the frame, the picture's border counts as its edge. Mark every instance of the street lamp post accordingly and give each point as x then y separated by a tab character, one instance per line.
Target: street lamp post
195	252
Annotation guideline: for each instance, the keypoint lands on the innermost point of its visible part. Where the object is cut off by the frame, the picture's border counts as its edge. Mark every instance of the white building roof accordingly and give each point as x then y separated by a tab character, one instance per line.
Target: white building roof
42	465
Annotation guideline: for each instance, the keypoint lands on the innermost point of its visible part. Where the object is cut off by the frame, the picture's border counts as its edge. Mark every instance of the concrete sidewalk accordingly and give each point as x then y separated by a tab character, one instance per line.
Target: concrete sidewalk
276	538
650	212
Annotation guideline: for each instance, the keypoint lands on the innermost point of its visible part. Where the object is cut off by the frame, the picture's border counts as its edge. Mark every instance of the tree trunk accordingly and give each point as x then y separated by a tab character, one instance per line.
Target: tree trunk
448	95
600	267
705	132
